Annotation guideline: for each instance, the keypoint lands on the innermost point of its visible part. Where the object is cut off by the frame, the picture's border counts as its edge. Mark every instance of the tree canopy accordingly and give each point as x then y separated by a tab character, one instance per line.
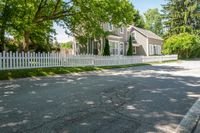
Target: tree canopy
182	22
153	21
138	20
184	44
182	16
31	21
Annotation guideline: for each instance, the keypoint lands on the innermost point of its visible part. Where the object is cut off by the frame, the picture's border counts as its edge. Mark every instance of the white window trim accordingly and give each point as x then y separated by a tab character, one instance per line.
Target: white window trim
122	30
118	47
155	49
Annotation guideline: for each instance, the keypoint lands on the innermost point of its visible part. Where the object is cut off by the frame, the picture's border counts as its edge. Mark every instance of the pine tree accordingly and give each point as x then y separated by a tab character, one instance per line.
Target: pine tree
106	51
182	16
130	47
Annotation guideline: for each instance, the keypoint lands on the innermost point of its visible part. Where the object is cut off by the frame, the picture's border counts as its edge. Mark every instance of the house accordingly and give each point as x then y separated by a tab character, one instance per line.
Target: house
145	42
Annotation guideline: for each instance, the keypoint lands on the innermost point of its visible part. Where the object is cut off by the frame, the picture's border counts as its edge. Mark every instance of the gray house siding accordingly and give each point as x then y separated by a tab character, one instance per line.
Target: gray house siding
142	41
155	46
155	41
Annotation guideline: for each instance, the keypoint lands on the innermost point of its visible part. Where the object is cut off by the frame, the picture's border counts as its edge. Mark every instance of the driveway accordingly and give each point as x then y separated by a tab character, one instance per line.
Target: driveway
139	99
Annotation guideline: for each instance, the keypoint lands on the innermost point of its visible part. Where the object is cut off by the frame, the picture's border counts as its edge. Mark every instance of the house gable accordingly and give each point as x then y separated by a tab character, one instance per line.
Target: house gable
142	41
147	33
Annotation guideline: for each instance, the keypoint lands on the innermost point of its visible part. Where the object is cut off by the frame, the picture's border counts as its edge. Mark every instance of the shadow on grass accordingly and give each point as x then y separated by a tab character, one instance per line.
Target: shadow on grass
23	73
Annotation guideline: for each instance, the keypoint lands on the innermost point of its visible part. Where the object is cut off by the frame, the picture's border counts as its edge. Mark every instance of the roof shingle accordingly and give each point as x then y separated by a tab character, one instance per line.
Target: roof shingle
147	33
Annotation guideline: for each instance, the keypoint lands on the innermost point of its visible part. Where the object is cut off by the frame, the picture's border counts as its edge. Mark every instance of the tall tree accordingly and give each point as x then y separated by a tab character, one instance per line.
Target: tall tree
130	47
81	17
154	21
88	20
32	20
36	16
182	16
106	51
138	20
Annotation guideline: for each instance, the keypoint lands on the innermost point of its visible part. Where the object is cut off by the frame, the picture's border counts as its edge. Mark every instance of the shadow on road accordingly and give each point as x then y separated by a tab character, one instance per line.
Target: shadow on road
136	99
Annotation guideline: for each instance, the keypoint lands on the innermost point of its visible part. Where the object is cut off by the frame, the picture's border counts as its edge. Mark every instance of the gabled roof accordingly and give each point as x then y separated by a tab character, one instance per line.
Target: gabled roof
146	33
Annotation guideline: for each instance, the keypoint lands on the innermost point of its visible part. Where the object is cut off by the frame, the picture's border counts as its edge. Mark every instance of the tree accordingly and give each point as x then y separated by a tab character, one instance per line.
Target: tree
130	47
184	44
106	51
33	19
138	20
7	11
88	21
182	16
154	21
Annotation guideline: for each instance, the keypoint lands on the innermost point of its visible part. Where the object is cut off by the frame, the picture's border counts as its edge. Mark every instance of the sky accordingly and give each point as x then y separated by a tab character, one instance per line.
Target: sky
141	5
144	5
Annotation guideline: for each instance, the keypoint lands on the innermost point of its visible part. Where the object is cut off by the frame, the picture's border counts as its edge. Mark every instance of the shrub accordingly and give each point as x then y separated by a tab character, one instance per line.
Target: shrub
130	47
43	48
106	51
67	45
184	44
11	47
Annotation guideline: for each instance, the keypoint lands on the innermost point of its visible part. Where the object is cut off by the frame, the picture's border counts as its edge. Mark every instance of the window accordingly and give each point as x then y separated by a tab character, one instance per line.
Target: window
113	48
159	50
110	26
155	50
116	48
134	50
151	49
122	30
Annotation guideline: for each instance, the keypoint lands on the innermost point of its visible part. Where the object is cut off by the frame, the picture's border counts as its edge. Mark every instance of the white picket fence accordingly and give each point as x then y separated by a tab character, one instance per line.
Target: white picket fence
39	60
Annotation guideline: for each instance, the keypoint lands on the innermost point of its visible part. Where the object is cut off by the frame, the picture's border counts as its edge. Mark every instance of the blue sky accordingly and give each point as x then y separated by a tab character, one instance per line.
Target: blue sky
141	5
144	5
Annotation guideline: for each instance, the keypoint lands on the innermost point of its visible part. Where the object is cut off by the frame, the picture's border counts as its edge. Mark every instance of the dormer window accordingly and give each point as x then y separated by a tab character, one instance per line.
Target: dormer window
122	30
110	26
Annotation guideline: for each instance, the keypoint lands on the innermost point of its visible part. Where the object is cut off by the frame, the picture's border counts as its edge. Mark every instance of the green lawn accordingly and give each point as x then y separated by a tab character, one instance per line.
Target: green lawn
23	73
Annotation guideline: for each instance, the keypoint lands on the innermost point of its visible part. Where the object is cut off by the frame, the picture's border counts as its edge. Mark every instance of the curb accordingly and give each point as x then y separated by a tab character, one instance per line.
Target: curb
190	120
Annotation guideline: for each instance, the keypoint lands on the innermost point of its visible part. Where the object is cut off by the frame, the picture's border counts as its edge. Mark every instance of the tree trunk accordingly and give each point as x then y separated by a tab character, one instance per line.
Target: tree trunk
2	39
26	41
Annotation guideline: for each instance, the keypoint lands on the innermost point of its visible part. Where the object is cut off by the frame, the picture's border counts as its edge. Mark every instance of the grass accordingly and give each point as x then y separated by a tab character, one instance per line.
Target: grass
24	73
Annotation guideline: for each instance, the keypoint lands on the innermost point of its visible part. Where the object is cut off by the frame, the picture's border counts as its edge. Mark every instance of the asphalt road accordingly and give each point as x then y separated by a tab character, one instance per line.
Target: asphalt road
140	99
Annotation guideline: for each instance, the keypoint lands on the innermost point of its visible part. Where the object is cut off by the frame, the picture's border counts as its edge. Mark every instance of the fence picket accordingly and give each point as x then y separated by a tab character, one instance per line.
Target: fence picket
28	59
10	58
7	61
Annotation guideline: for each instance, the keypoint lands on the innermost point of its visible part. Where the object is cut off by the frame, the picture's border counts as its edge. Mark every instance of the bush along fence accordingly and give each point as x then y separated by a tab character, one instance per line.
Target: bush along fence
41	60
